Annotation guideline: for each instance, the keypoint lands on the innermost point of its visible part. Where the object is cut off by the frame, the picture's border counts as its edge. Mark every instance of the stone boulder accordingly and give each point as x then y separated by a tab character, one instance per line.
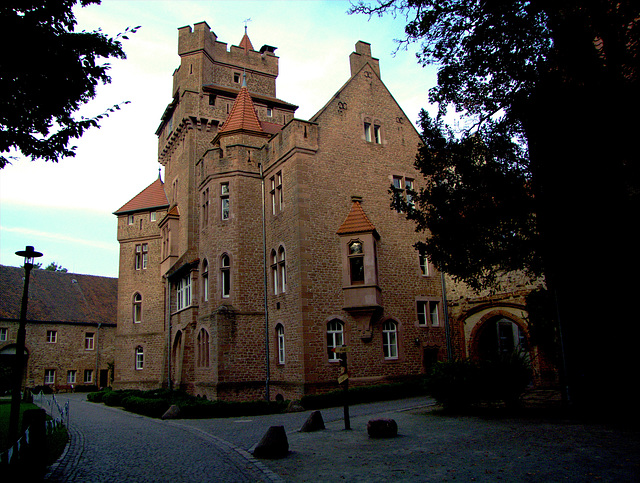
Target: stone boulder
382	428
172	413
313	423
273	445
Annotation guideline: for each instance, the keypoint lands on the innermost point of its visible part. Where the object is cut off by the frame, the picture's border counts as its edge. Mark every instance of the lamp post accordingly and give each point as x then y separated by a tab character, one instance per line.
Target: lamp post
29	255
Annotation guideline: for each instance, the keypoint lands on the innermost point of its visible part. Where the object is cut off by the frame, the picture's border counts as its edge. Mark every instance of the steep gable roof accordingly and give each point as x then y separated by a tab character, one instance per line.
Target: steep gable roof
356	221
153	196
245	43
59	296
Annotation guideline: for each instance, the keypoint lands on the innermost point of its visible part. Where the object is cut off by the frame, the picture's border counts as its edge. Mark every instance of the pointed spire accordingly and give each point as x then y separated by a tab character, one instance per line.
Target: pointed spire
356	221
243	114
245	43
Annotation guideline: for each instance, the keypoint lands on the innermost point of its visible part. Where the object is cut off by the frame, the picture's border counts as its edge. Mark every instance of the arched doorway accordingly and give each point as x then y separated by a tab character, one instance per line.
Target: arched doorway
499	336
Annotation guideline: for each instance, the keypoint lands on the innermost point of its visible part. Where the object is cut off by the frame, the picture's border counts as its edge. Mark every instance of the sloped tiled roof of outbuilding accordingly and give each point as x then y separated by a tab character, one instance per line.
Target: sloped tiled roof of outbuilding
59	296
153	196
356	221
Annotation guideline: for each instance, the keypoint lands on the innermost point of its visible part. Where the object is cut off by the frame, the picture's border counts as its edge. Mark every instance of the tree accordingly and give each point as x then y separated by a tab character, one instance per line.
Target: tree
558	80
54	267
48	71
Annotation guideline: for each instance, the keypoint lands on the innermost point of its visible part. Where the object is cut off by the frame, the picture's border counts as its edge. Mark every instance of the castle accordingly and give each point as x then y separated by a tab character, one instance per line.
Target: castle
271	241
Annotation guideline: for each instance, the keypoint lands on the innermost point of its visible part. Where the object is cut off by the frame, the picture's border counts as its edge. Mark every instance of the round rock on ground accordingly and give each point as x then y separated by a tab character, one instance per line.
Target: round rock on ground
382	428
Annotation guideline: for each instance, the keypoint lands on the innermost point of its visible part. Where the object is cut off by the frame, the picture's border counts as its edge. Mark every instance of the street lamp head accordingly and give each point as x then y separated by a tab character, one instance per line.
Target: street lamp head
29	254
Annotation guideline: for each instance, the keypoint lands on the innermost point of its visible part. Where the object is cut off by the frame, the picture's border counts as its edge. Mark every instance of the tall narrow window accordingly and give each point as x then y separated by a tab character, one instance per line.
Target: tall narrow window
279	191
71	376
428	313
224	201
408	185
390	340
137	308
367	132
139	358
424	265
433	314
282	270
356	262
280	341
4	334
376	134
203	348
142	256
225	276
89	339
273	195
205	207
88	376
274	272
205	281
335	338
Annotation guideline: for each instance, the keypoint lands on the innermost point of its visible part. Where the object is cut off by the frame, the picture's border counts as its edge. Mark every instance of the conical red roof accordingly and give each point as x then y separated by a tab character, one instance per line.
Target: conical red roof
153	196
356	221
245	43
243	114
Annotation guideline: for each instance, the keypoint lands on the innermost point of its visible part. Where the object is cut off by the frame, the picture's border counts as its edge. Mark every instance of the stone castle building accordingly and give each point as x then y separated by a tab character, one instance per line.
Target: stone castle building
271	240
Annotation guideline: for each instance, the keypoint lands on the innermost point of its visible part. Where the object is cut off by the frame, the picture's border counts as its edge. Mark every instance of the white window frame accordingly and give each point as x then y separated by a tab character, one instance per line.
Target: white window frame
4	334
137	308
367	131
49	376
425	268
88	376
130	220
274	272
183	291
335	338
225	276
390	340
282	270
52	336
428	313
89	341
152	216
205	281
225	204
280	343
139	358
72	376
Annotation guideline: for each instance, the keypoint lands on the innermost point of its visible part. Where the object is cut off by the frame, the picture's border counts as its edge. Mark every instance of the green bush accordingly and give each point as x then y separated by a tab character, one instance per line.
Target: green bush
153	408
461	384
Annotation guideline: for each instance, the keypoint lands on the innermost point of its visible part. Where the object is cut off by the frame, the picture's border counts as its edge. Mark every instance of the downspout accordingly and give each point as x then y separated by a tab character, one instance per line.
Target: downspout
264	277
447	330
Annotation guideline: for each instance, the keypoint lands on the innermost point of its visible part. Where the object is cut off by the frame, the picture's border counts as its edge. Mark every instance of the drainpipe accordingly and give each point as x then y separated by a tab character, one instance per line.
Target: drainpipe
447	330
264	278
167	296
97	380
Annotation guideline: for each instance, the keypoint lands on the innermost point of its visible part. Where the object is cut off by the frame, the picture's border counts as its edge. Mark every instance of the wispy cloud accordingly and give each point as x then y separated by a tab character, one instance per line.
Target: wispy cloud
59	237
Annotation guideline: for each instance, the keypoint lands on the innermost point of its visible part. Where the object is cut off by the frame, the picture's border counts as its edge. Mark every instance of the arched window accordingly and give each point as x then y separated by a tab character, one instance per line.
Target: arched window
205	280
390	340
356	262
139	358
203	348
280	342
282	271
335	338
274	271
225	276
137	308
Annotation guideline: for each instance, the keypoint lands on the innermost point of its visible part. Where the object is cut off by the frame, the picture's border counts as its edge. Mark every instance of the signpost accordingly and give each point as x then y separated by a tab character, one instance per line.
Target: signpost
343	379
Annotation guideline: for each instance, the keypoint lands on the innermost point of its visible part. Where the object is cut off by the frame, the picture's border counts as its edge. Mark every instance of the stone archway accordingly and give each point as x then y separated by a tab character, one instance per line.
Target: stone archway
498	332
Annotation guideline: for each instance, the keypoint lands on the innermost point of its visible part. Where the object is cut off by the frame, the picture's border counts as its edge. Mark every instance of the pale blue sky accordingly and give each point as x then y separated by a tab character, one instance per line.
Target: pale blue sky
65	209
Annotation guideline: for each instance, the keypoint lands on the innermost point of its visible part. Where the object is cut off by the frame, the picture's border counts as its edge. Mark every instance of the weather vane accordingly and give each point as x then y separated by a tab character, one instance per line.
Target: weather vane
245	21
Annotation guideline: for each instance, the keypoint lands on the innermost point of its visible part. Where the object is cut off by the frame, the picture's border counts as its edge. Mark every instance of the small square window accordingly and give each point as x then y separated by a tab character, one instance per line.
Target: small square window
236	77
269	112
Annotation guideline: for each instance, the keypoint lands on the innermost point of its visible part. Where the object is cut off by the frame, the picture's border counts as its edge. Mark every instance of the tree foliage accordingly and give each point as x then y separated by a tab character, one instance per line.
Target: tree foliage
518	71
48	71
54	267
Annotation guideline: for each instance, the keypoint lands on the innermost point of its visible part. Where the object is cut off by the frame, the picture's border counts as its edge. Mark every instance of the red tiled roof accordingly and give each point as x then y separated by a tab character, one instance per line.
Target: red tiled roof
271	127
356	221
153	196
245	43
59	296
243	115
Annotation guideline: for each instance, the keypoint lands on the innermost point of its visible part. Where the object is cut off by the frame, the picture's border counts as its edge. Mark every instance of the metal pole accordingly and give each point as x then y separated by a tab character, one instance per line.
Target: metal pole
19	359
264	278
445	308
